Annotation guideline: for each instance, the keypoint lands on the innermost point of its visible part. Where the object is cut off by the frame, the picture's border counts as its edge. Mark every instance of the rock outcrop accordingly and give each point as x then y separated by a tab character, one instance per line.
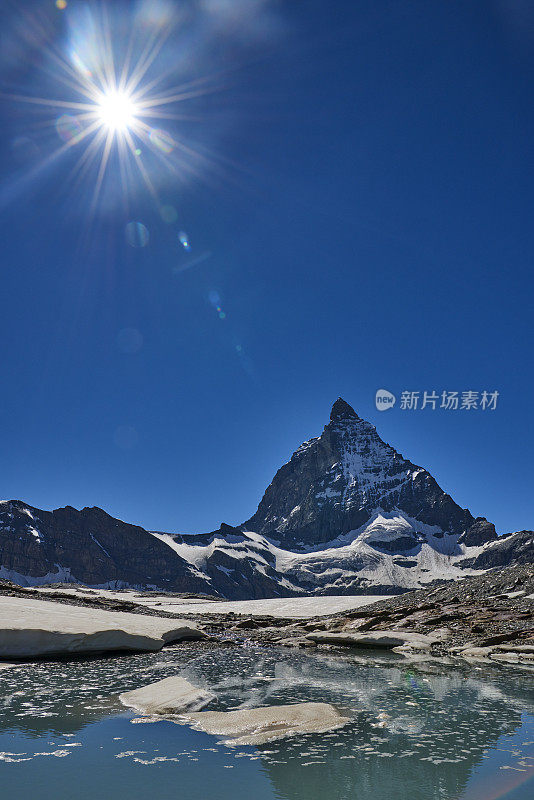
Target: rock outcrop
512	548
377	639
488	617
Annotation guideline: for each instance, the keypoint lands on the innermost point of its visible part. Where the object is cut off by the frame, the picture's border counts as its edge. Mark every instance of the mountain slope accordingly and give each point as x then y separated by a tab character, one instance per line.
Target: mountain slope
347	514
87	546
336	482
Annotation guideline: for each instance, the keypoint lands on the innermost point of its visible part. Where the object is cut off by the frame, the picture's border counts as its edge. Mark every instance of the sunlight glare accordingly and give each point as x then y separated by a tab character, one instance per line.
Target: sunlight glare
112	119
117	111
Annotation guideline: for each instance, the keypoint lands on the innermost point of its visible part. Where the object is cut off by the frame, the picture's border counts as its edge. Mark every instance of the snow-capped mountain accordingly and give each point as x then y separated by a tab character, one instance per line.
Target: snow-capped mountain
346	514
336	482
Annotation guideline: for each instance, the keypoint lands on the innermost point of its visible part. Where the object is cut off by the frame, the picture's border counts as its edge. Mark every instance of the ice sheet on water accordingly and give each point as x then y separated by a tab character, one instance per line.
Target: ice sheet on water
441	720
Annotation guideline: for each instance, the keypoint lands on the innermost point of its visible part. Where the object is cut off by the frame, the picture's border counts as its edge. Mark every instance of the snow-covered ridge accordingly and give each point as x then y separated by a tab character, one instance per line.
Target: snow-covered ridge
355	561
347	514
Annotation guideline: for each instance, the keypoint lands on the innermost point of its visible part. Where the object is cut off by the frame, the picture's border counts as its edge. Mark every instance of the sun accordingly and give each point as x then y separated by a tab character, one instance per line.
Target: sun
117	111
115	97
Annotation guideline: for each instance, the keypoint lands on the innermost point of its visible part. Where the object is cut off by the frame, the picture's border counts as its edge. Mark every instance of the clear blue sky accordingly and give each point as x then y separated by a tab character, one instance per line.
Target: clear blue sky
364	220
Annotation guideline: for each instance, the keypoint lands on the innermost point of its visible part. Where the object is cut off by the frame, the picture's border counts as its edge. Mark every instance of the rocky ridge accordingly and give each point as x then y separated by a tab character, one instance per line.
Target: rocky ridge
334	483
489	616
88	547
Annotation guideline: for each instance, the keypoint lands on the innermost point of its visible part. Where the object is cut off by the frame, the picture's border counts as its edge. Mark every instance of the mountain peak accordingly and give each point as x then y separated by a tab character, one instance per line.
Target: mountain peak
341	410
346	478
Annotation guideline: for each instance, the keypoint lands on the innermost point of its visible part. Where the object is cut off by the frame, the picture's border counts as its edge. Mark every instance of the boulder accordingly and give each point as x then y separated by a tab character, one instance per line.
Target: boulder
169	696
388	639
258	725
476	653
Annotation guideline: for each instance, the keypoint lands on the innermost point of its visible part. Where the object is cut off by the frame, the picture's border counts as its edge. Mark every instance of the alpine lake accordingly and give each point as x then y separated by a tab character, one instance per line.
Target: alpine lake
418	730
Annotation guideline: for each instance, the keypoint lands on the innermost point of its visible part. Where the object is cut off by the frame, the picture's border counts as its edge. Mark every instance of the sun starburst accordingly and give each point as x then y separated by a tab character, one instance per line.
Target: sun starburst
117	110
112	102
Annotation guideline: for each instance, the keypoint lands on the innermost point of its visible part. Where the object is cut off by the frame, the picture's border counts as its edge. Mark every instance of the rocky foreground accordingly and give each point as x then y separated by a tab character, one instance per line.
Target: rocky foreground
483	617
489	616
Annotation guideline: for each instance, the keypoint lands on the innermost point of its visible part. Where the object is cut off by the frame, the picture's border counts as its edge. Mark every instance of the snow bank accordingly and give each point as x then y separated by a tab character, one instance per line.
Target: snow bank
286	607
30	628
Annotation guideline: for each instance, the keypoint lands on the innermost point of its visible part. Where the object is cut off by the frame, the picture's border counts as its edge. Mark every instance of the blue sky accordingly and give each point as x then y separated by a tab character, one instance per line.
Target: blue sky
363	220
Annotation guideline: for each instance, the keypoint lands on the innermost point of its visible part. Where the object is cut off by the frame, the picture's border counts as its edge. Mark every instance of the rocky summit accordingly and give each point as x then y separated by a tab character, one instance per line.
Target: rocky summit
333	484
347	514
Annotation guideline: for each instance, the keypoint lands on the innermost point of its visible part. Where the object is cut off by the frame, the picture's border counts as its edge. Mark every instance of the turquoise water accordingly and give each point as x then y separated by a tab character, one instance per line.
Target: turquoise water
421	731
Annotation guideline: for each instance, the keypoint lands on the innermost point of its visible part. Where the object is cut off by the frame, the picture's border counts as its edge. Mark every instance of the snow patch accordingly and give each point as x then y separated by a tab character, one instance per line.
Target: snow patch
99	545
63	575
34	532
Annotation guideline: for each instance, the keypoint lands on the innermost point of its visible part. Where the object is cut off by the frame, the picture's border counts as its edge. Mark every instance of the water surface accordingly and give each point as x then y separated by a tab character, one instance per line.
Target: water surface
419	730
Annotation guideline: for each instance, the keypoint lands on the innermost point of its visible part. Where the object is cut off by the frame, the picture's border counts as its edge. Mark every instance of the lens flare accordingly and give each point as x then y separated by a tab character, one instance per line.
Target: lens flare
117	111
114	96
162	140
68	129
137	234
183	238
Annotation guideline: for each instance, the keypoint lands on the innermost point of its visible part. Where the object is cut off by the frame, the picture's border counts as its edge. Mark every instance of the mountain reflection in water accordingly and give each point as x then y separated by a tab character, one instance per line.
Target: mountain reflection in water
418	729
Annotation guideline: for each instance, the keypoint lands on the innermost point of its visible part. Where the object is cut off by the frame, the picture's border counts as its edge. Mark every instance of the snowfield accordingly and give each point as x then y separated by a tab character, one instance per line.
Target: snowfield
286	607
33	627
368	555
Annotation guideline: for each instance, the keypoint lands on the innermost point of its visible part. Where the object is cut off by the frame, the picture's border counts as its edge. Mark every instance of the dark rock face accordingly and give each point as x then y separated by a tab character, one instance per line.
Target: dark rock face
332	485
89	544
514	548
481	531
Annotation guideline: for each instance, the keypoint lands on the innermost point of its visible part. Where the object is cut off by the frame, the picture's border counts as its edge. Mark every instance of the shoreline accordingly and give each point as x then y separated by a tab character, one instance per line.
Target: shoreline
486	618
